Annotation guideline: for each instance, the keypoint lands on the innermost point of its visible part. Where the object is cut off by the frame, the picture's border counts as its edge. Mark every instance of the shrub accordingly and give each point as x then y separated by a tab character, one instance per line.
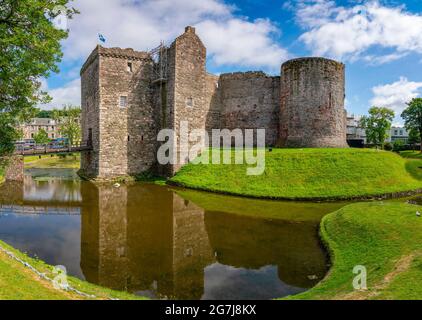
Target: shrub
398	146
388	146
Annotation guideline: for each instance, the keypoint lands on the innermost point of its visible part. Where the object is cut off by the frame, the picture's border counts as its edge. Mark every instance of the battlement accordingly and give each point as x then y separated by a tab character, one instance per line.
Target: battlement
115	52
243	75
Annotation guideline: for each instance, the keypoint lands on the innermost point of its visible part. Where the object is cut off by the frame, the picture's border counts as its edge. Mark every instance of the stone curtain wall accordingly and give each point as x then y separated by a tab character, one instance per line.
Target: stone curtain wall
250	100
312	103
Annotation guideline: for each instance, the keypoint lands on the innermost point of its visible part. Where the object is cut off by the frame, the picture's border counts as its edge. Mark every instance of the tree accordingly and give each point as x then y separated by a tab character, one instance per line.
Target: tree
41	137
29	50
377	124
44	114
68	120
412	116
414	137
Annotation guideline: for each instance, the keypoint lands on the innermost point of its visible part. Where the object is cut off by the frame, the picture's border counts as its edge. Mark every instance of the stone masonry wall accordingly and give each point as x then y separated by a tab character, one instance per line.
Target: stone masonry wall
303	108
250	100
90	101
127	140
14	168
188	80
312	103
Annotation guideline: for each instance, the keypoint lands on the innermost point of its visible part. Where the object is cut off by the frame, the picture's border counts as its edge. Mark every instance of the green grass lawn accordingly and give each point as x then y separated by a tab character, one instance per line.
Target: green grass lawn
18	282
309	174
53	161
386	238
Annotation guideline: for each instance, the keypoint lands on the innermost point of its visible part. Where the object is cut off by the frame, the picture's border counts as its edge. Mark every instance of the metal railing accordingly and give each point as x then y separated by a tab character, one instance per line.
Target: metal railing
52	148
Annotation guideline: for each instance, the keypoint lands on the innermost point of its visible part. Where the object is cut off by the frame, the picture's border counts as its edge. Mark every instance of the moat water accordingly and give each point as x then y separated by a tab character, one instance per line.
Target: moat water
163	242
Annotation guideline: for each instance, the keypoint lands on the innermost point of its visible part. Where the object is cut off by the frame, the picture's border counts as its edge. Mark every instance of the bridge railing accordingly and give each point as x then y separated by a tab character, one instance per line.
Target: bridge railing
52	148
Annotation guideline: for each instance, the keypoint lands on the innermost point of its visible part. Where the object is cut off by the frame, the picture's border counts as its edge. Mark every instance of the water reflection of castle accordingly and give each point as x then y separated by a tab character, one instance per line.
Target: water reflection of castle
150	240
144	238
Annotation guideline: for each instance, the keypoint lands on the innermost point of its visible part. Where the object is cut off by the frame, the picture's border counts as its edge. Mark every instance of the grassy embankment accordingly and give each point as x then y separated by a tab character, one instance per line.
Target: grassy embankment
411	154
53	161
309	174
386	238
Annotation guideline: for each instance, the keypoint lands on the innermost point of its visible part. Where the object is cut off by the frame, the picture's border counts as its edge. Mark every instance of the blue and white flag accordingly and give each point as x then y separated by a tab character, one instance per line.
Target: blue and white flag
101	37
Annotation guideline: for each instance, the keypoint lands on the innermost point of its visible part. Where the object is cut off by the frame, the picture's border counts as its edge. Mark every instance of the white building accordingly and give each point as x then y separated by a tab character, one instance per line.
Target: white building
398	133
355	132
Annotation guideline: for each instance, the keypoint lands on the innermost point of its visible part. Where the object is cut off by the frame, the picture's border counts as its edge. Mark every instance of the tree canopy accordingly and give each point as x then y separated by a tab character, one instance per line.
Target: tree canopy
29	51
69	123
377	124
41	137
412	117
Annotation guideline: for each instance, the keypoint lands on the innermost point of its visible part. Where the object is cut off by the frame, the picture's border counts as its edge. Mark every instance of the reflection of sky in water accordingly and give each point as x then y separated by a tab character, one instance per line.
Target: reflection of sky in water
52	238
226	282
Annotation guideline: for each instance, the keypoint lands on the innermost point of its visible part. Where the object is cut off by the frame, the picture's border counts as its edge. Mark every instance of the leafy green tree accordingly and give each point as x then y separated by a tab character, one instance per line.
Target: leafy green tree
377	124
44	114
68	120
414	137
412	116
8	135
29	50
41	137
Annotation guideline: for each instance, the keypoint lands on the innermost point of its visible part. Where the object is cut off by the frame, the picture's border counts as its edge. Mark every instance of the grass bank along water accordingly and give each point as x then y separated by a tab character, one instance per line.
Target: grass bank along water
385	238
65	161
310	174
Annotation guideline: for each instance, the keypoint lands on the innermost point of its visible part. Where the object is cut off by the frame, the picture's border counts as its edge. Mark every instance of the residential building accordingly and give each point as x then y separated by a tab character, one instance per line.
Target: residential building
31	128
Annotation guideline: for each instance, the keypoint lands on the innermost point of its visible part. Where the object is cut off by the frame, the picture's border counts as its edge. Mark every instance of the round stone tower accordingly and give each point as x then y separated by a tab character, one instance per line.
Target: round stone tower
312	103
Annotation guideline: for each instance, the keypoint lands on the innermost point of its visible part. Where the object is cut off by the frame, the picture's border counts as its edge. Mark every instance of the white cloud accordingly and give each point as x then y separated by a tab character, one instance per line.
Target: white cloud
141	24
70	93
350	32
239	42
396	94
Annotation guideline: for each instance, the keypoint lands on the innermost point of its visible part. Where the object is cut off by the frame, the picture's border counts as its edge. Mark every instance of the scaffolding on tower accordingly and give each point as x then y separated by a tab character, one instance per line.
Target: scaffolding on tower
160	57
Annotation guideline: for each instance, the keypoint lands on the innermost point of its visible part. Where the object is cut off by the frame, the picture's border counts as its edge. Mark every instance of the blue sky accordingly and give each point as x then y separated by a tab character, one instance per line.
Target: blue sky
379	41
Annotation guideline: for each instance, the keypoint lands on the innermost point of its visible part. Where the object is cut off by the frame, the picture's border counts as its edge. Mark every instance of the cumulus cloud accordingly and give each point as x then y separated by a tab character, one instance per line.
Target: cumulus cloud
70	93
350	32
241	42
141	24
396	94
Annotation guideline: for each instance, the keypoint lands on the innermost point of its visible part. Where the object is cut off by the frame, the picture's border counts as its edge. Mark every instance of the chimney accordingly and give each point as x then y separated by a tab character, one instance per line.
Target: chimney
190	29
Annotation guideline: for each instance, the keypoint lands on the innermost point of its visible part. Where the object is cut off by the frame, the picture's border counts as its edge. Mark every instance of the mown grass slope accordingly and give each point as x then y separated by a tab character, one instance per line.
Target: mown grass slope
309	174
385	238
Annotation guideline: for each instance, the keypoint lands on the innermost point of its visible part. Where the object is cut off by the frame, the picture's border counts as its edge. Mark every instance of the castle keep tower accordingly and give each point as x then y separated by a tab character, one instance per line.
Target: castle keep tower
312	110
117	113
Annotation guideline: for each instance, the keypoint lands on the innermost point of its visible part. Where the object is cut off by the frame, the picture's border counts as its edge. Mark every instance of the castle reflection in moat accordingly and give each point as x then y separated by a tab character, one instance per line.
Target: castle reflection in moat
149	240
165	243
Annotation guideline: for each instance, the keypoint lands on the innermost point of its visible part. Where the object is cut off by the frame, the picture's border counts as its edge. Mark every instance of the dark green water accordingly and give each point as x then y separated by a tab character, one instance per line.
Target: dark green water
165	243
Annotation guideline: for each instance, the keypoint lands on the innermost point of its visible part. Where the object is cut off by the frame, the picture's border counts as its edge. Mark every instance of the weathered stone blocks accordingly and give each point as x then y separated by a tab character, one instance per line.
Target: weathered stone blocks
312	103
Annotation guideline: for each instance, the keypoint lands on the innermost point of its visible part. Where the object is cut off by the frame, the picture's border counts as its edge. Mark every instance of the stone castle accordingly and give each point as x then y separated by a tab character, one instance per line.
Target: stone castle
129	96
